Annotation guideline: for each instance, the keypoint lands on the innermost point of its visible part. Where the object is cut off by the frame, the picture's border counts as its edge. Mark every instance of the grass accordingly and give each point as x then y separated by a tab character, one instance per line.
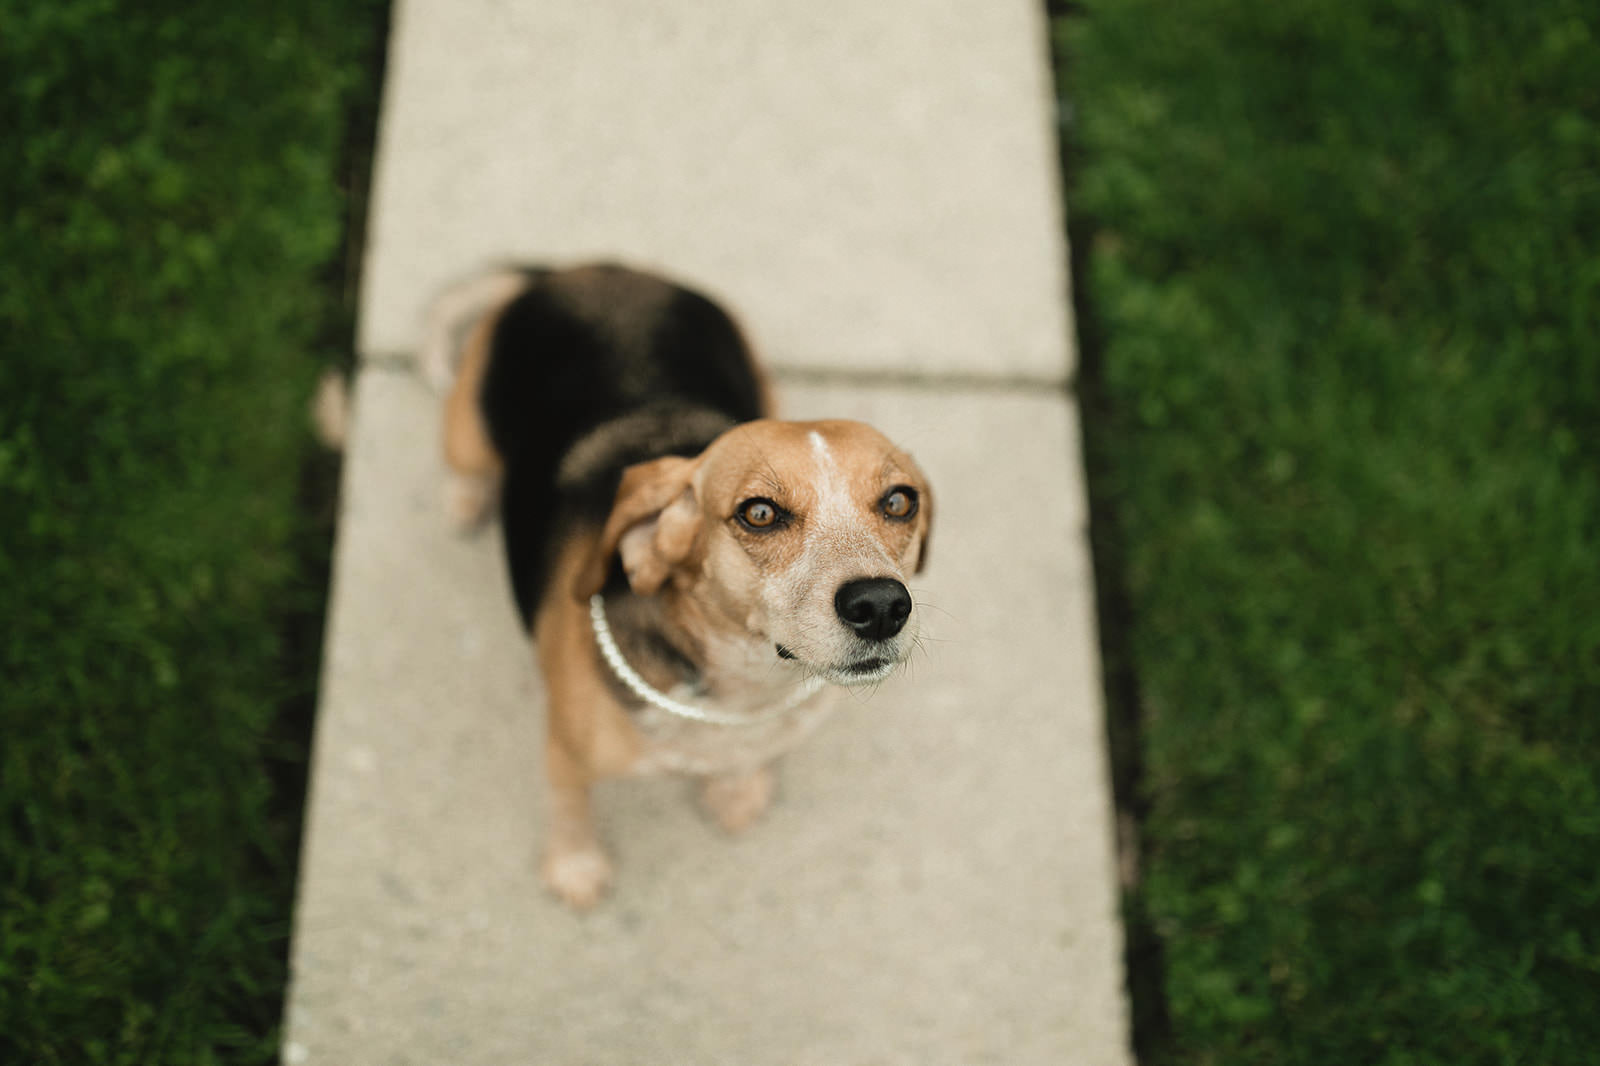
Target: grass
1343	399
170	285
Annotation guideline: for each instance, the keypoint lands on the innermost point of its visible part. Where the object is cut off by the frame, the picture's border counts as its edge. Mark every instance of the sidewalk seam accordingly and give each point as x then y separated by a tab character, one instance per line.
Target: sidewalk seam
936	381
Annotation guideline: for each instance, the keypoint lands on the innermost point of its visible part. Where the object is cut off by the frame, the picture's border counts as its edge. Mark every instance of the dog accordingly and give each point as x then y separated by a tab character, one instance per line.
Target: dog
698	578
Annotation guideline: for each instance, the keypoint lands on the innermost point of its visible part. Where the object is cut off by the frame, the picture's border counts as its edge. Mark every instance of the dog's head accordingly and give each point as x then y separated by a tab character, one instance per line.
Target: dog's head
795	535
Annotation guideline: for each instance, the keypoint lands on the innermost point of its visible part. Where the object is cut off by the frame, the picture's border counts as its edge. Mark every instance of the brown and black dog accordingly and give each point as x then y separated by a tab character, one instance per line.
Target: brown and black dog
697	576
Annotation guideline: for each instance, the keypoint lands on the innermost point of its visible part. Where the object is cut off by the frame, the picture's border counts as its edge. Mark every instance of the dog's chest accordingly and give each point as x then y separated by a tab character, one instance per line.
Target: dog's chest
672	744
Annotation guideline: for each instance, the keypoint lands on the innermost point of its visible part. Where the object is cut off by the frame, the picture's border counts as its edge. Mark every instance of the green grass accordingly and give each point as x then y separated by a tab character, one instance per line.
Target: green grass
1342	268
169	286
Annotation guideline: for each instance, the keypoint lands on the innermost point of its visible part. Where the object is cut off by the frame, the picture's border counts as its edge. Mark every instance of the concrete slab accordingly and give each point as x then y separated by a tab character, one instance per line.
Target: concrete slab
934	885
873	185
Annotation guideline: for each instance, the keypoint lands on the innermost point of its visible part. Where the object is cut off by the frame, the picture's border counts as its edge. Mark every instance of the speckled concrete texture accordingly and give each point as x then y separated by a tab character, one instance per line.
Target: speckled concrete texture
934	885
873	185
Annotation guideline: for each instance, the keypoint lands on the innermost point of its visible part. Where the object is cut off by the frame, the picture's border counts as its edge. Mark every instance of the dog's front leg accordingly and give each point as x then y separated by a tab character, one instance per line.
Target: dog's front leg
735	800
575	866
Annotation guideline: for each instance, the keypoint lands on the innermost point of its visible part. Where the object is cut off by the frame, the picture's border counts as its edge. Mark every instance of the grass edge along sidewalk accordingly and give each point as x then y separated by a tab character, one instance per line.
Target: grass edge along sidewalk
171	286
1341	389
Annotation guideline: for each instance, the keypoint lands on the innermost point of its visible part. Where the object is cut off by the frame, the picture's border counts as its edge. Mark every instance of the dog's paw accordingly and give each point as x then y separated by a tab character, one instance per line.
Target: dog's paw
469	500
579	877
735	801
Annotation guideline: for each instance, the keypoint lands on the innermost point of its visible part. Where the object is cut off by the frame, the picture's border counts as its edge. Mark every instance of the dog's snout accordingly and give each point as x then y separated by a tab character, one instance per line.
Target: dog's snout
876	608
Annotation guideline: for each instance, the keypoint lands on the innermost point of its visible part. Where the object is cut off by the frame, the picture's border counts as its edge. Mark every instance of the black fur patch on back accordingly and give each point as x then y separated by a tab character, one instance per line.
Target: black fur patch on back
570	358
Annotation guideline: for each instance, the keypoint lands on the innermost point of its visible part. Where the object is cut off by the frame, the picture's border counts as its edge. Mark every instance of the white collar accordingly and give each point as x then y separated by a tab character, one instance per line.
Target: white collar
640	687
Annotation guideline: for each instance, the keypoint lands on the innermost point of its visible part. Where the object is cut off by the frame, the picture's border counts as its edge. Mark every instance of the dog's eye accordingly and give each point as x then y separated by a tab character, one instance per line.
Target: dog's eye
759	513
899	503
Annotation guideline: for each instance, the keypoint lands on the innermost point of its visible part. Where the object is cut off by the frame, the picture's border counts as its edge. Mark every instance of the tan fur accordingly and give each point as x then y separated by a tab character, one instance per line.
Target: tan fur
727	595
475	465
466	439
455	309
587	737
731	594
648	499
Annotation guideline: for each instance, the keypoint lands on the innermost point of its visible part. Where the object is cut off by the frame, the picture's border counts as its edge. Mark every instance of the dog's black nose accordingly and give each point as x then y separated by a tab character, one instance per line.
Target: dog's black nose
875	607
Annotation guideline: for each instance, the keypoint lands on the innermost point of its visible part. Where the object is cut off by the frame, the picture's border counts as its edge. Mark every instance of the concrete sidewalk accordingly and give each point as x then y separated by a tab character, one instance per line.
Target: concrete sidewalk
872	187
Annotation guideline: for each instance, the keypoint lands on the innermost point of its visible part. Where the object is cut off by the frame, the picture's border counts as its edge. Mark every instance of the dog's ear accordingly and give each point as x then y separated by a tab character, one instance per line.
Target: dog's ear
653	525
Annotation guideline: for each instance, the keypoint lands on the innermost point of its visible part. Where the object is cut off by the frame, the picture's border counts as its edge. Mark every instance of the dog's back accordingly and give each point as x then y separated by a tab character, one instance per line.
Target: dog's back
585	372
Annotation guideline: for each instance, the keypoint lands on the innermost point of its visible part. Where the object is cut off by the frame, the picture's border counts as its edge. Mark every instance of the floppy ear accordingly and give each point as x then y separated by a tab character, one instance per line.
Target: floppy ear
653	525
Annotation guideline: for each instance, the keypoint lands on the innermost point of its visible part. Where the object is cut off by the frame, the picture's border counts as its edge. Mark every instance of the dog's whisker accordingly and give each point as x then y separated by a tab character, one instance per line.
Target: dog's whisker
930	606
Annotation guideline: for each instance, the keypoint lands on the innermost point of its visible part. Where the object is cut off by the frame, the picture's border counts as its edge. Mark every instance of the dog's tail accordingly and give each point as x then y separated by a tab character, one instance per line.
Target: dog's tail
452	316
